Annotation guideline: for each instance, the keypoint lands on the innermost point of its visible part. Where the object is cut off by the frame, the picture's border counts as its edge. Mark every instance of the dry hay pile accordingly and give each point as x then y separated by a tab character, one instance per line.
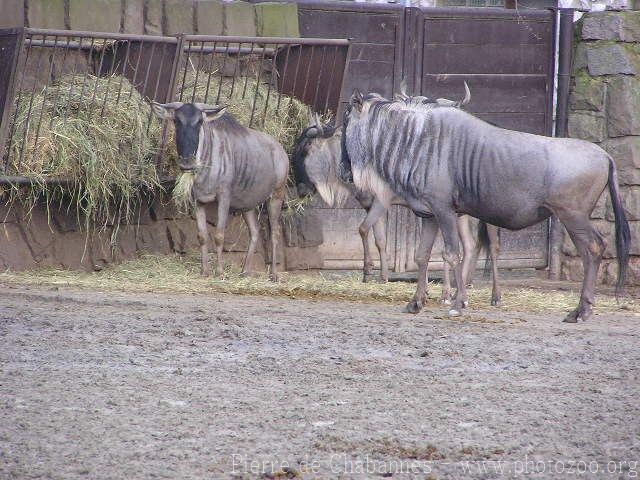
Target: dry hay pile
98	139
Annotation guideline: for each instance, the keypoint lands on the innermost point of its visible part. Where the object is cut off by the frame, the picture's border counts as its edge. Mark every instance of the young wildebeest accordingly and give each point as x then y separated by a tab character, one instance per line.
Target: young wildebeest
445	161
235	165
316	161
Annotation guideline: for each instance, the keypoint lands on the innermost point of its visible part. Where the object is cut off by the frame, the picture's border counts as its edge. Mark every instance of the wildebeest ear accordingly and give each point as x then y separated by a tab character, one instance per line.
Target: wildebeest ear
165	110
211	112
357	99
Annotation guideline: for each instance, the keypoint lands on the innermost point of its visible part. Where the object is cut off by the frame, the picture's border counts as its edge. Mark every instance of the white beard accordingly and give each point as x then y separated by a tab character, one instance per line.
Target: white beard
367	180
334	194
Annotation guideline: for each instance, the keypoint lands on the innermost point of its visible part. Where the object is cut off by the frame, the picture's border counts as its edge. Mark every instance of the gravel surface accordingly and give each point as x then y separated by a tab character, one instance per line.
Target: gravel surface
97	385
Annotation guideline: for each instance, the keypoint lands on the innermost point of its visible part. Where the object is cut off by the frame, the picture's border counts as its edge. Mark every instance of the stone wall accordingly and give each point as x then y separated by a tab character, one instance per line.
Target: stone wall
605	109
154	17
53	238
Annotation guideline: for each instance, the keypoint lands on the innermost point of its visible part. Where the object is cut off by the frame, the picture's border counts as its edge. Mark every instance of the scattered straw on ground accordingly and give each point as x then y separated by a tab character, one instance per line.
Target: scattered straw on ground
176	274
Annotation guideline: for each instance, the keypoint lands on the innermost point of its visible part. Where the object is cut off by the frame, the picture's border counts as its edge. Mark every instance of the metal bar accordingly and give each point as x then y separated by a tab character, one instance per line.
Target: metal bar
149	63
44	98
195	81
344	83
321	70
306	77
184	74
261	40
171	91
281	81
274	71
211	60
333	71
98	73
238	50
255	95
71	85
565	46
246	77
105	35
8	109
109	76
224	64
56	98
28	122
235	73
125	65
136	69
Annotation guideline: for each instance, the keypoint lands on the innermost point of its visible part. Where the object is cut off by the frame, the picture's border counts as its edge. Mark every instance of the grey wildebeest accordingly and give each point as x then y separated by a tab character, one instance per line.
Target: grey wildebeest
445	161
237	166
316	163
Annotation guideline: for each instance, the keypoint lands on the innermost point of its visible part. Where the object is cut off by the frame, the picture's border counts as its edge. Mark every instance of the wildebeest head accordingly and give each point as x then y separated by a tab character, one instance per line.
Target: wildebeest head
316	159
189	120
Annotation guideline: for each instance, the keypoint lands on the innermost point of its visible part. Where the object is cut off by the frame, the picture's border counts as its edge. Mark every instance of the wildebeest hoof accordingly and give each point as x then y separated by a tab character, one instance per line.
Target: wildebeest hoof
465	304
495	302
205	273
445	301
454	312
273	277
413	307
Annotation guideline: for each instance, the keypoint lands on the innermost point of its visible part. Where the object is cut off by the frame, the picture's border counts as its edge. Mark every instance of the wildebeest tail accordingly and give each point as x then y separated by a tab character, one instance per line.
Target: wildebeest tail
623	234
483	245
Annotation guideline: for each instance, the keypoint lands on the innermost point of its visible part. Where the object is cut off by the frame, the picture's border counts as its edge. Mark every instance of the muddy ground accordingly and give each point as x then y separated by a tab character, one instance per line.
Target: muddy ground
124	386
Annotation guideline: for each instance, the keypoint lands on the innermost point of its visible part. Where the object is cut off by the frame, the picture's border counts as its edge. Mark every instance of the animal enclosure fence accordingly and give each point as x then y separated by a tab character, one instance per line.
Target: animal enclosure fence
51	78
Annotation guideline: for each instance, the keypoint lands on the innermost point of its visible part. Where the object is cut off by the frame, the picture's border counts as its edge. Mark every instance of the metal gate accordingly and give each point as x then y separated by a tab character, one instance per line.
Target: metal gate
505	56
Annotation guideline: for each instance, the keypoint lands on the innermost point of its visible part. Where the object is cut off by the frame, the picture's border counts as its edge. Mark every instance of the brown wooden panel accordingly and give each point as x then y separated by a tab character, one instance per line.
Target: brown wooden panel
361	27
513	59
372	52
492	93
524	122
370	77
482	31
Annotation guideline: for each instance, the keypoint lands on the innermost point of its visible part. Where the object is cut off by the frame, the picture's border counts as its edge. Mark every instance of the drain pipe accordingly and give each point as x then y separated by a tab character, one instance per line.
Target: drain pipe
565	47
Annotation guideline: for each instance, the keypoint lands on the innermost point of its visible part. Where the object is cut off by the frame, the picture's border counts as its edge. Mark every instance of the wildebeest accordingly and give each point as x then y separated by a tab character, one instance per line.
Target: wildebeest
445	161
234	165
316	162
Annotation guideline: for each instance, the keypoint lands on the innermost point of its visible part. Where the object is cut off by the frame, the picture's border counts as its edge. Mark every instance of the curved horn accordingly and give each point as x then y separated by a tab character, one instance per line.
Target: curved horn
467	95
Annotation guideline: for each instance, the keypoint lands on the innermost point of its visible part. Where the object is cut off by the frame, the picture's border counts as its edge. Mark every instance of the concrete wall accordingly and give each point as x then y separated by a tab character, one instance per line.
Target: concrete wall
154	17
36	239
605	109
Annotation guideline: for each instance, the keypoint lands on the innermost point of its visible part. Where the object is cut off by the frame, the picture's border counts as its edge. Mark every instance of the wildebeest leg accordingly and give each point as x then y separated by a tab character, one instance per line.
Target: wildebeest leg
380	236
275	206
373	218
494	252
448	221
201	222
466	239
423	253
591	246
223	215
445	297
252	224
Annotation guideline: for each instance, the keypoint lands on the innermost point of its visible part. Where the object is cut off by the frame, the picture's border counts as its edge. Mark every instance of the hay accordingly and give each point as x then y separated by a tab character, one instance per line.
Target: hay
176	274
280	116
182	195
99	139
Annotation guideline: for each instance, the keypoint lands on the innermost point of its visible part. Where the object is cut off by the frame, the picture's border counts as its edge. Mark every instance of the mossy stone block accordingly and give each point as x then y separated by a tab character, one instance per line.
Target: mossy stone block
46	14
277	19
209	17
95	15
240	19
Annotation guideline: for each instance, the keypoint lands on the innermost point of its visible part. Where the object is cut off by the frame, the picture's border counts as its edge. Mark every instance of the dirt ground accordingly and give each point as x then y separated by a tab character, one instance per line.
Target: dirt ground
133	386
